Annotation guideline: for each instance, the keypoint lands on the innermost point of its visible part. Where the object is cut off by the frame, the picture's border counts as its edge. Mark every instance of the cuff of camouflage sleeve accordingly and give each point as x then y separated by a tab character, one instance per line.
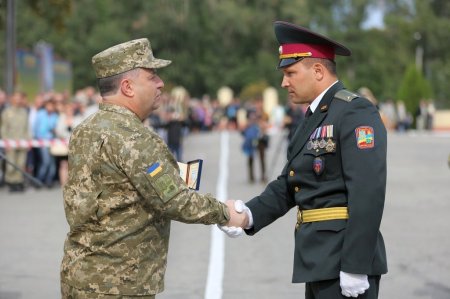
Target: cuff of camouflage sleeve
225	214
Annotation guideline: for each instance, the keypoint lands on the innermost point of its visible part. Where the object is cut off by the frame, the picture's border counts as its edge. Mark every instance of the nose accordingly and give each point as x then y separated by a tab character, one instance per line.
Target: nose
160	83
284	82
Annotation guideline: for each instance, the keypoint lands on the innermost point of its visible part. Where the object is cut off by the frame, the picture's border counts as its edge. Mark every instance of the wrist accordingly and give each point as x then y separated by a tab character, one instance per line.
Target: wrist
226	214
249	223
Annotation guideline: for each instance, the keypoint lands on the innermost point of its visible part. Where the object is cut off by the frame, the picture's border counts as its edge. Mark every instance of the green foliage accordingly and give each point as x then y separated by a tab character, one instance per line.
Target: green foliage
253	91
213	43
413	88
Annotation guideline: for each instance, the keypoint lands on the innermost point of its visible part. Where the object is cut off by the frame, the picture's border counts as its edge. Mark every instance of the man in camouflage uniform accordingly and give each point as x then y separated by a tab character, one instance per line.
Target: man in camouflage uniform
15	127
124	186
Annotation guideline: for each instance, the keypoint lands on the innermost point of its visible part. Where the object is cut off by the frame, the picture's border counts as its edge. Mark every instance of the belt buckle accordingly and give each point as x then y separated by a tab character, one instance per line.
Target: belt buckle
299	219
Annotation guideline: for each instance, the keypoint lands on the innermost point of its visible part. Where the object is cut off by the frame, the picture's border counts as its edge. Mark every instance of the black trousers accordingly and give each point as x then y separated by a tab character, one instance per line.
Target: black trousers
330	289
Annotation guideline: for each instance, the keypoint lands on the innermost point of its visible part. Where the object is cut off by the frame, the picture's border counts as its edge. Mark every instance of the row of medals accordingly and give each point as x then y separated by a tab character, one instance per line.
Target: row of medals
329	144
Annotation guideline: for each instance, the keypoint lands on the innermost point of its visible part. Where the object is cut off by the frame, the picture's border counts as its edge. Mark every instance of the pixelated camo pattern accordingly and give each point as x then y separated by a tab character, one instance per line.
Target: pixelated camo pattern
69	292
119	216
126	56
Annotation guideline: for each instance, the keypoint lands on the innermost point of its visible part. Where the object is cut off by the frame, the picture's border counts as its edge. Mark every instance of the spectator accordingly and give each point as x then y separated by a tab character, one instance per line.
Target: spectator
67	121
389	114
33	153
93	99
263	143
174	128
431	110
421	115
251	135
231	113
294	117
403	117
44	129
15	126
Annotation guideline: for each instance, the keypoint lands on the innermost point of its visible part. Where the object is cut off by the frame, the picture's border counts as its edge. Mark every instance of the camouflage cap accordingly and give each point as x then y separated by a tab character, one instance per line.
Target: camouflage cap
126	56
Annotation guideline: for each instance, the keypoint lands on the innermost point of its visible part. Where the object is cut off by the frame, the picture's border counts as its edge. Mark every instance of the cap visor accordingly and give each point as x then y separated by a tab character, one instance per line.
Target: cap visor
287	62
159	63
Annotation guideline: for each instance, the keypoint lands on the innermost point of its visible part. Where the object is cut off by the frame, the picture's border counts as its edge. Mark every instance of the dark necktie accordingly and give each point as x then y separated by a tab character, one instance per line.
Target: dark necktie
308	113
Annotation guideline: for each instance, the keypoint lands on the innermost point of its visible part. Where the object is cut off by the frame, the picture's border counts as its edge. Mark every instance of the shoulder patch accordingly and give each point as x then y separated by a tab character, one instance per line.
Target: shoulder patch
345	95
162	182
365	137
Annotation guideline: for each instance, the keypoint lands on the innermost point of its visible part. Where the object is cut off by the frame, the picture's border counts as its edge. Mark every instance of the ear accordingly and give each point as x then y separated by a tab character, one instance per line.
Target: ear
319	71
126	87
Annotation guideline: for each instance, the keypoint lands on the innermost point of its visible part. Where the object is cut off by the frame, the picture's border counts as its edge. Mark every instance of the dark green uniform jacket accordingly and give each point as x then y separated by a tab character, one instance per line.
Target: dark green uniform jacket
351	173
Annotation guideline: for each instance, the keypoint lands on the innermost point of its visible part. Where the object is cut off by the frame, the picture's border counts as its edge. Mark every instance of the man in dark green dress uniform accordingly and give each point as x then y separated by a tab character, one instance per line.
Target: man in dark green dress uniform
335	175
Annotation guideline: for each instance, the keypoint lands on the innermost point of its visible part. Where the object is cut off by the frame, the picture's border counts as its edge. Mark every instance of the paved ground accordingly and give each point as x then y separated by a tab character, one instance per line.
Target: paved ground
415	227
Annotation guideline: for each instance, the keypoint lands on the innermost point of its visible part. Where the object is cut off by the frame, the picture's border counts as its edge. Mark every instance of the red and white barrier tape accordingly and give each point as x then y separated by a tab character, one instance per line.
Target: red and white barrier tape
23	143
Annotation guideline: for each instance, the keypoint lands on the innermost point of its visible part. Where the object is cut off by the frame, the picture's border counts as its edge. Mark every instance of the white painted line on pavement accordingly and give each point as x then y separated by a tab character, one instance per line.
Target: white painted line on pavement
217	249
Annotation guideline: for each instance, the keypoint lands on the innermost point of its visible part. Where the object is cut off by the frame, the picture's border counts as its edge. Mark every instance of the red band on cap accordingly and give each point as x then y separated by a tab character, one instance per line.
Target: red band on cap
306	50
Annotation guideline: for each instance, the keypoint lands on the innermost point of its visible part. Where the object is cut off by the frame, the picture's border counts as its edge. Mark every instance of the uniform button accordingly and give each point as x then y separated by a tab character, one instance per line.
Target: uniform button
297	189
291	173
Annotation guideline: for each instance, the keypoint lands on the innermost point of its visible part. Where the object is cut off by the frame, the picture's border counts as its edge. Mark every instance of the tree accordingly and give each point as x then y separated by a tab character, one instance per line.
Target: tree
424	24
213	43
414	87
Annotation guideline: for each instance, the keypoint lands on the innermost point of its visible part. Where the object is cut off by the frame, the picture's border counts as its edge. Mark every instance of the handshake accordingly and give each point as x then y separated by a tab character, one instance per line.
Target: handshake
240	218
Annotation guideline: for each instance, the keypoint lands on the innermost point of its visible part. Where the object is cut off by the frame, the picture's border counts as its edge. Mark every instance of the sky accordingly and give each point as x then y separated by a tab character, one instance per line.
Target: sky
375	16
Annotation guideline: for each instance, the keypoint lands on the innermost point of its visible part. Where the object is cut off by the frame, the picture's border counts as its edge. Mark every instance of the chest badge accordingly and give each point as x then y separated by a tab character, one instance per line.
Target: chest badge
318	165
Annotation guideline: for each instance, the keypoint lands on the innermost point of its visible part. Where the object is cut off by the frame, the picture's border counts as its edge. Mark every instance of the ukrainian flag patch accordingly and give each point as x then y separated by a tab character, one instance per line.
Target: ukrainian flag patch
154	169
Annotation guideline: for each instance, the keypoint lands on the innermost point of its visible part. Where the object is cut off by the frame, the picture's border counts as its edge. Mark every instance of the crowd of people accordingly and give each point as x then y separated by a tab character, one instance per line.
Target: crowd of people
47	117
51	116
396	116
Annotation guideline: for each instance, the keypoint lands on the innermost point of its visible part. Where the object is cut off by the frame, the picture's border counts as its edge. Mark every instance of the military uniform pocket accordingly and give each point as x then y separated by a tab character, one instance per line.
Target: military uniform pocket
330	225
321	155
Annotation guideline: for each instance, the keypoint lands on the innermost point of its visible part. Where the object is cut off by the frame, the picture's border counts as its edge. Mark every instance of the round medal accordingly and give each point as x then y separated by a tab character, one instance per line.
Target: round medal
322	143
315	144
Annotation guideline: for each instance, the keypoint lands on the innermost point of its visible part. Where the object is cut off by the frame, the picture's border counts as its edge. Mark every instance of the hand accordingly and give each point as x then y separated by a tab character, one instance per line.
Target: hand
353	285
239	207
237	217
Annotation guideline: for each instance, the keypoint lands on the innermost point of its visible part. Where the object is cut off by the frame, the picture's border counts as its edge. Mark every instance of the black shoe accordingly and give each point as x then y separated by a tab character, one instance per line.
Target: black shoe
13	188
20	187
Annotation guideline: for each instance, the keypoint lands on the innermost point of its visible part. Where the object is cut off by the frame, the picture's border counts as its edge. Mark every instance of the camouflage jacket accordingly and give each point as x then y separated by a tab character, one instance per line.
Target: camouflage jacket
14	123
123	189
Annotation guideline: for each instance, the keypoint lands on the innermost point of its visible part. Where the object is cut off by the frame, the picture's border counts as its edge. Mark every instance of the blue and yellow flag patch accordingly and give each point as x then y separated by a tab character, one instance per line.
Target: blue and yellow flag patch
154	169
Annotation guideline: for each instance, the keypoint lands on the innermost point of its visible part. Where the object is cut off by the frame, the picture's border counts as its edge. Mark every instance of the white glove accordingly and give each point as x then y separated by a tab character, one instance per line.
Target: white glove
231	231
353	285
240	207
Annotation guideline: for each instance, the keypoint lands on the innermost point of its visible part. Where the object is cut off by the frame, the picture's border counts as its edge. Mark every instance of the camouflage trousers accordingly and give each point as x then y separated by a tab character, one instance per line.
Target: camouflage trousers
18	157
69	292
